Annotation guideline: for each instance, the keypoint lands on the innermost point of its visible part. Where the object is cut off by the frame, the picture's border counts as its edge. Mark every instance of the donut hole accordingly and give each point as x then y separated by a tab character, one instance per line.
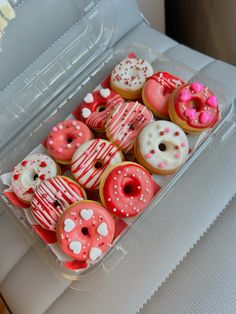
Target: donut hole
69	140
162	147
85	231
194	104
101	108
98	164
131	186
35	176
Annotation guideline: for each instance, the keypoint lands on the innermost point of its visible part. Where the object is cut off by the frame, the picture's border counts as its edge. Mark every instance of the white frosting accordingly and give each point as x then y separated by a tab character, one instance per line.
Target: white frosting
31	172
88	99
75	247
102	229
86	113
95	253
163	145
69	225
131	73
85	157
105	92
86	214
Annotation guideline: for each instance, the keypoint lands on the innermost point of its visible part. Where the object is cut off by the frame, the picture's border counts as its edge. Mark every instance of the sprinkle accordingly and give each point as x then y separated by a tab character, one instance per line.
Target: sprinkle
176	147
115	193
68	145
119	172
122	210
162	133
16	176
74	123
50	142
24	163
77	145
127	215
177	133
60	127
167	130
55	129
161	165
109	199
139	187
115	178
177	155
43	164
80	134
114	209
183	144
60	150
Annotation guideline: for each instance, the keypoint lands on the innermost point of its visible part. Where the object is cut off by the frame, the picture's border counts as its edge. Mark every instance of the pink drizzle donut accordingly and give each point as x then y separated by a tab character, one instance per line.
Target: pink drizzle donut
85	231
194	107
91	160
125	123
65	138
52	197
157	90
126	189
96	106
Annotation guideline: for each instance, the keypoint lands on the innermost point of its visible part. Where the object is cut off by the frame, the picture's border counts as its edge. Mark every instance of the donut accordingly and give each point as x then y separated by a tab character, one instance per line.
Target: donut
52	198
85	231
125	122
29	173
128	77
193	107
161	147
157	90
126	189
91	159
93	111
65	138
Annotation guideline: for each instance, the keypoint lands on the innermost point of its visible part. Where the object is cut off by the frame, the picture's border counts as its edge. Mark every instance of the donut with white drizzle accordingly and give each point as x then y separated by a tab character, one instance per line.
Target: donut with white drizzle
52	198
128	77
85	231
162	147
125	123
90	161
126	189
157	90
96	106
65	138
29	173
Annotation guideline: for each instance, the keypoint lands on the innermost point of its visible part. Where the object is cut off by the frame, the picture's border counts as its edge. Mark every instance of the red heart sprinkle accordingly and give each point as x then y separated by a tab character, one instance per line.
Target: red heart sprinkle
30	191
177	133
24	163
162	133
16	176
42	177
43	164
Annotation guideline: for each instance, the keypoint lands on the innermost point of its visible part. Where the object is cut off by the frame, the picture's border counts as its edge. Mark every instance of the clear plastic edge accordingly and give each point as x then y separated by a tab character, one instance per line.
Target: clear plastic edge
64	105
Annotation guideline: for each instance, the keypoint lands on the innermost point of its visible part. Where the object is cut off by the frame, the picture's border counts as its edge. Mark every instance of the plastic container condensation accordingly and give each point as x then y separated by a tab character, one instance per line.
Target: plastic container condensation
58	81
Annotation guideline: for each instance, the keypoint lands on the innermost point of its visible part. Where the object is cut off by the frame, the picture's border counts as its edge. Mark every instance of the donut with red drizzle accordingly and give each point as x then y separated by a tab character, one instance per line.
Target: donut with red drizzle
125	123
95	108
126	189
90	161
85	231
65	138
194	107
157	90
30	172
52	198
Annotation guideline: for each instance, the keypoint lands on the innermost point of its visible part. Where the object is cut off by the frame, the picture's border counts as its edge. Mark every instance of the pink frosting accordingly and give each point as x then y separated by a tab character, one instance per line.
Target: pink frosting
66	137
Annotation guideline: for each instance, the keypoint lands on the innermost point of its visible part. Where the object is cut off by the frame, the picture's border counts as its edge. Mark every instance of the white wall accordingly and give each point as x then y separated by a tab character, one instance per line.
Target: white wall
154	11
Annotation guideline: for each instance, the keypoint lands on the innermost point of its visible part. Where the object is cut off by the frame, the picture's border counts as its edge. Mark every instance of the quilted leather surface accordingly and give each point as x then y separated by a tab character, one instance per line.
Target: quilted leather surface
30	291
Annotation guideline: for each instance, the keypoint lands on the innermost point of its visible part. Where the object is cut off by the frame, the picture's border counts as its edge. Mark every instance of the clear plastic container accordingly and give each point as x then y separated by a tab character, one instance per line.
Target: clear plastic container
63	83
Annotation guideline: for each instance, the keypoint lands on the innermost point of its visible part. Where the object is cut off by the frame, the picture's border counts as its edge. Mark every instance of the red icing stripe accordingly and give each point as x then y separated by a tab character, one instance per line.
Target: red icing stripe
47	236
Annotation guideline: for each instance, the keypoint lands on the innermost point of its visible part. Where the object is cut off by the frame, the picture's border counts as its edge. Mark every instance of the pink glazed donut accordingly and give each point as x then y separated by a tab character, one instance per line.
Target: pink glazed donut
85	231
125	123
126	189
157	90
96	107
65	138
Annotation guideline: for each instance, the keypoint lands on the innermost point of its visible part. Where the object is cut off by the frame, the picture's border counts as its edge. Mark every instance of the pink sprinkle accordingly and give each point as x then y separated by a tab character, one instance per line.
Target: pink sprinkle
60	127
185	96
60	150
80	134
204	117
50	142
68	145
55	129
77	127
148	155
74	123
183	144
161	165
191	114
177	155
197	87
212	101
167	130
73	199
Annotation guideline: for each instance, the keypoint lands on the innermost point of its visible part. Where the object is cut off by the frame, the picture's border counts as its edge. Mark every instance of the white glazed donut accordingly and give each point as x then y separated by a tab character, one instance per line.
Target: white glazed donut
129	76
29	173
90	161
162	147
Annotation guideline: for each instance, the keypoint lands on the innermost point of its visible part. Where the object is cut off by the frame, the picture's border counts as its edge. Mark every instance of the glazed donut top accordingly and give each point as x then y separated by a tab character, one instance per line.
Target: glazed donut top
131	73
52	197
30	172
91	159
85	231
66	137
167	80
125	123
197	105
96	106
163	145
127	189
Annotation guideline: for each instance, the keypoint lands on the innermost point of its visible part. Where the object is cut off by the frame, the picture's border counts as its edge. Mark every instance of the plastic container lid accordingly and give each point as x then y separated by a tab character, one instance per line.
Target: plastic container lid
73	34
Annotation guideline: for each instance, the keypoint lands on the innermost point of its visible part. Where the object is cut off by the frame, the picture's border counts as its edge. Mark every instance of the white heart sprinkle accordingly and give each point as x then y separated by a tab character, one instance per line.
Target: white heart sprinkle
86	113
68	225
105	92
88	99
102	229
86	214
75	247
94	253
